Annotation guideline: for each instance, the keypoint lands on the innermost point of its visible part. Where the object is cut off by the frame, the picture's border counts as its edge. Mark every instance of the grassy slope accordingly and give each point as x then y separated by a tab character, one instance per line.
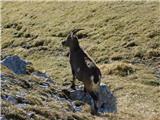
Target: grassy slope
119	33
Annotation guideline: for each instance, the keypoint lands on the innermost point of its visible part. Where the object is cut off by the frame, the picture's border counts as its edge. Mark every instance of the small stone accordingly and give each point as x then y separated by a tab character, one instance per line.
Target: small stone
31	114
21	105
43	76
44	85
11	99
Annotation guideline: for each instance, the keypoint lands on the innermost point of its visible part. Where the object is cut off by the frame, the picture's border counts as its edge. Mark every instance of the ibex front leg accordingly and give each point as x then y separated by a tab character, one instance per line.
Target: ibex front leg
73	80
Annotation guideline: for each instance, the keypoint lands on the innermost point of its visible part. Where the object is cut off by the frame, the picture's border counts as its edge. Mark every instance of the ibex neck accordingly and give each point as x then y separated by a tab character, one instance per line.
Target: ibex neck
75	48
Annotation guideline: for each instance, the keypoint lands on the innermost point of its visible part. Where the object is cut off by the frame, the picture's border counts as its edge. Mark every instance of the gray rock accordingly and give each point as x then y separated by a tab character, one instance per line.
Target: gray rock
11	99
31	114
21	105
75	107
16	64
42	75
15	99
107	101
2	117
44	85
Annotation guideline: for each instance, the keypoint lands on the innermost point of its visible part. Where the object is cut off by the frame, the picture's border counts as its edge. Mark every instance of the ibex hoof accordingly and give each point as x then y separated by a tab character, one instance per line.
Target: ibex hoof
73	87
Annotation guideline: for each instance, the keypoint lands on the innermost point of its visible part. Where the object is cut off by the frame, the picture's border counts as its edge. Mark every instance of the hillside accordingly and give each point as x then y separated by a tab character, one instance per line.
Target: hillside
122	37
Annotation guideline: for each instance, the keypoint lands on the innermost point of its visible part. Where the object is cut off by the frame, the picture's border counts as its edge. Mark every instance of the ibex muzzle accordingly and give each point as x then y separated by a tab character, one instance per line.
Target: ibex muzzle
65	43
83	68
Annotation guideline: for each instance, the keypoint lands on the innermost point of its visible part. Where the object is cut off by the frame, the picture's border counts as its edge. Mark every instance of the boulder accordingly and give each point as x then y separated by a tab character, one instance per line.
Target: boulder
19	66
107	101
16	64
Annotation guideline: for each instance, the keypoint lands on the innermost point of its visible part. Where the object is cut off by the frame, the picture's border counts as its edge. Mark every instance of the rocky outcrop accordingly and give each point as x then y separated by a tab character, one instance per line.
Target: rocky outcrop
107	102
38	88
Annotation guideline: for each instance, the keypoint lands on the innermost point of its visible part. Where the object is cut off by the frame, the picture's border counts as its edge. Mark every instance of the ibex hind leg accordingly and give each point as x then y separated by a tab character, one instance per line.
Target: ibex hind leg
73	86
94	95
94	101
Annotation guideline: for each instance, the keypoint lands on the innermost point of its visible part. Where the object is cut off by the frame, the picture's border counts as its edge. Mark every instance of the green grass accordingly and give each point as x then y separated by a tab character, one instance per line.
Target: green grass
122	37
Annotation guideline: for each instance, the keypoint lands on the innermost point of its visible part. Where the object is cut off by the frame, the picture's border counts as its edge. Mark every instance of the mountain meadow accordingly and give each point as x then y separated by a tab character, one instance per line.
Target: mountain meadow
122	37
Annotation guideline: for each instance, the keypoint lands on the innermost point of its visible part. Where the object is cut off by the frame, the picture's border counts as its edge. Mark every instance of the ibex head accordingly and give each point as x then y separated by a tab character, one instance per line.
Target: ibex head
72	39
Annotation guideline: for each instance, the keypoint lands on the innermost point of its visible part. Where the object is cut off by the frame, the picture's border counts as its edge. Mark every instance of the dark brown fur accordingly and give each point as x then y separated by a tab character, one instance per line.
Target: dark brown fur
83	67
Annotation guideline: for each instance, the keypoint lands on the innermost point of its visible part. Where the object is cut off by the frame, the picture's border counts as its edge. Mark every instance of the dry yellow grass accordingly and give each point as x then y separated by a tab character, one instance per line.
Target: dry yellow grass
122	37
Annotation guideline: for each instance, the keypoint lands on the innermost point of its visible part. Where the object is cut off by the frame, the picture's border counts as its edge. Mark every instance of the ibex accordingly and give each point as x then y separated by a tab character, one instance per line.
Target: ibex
83	68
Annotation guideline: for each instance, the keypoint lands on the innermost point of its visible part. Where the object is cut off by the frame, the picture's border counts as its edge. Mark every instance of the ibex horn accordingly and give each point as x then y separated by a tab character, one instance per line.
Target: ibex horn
75	31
